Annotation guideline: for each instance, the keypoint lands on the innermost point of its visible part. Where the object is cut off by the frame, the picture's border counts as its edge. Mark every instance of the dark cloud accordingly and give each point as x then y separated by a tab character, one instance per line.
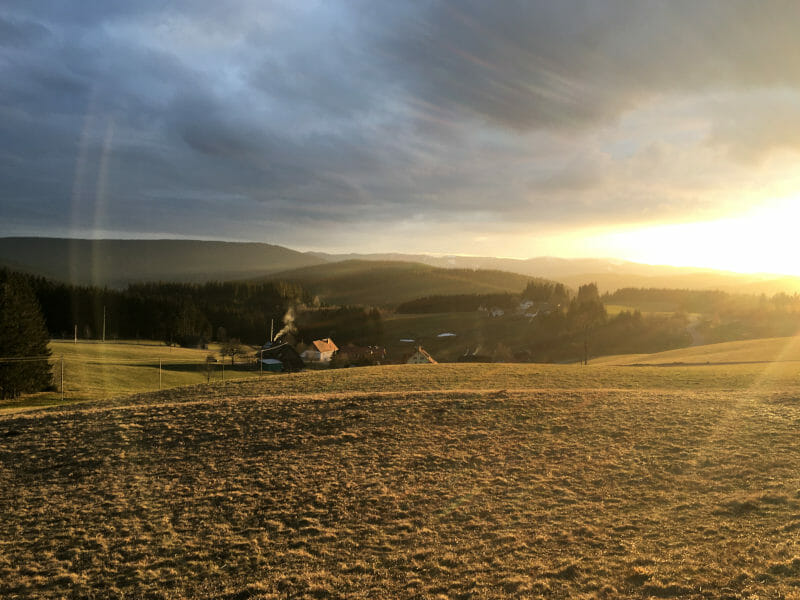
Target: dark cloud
573	64
21	33
129	116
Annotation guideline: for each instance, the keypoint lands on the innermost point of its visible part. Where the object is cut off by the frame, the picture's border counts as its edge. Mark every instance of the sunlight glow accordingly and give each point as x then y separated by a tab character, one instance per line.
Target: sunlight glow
763	240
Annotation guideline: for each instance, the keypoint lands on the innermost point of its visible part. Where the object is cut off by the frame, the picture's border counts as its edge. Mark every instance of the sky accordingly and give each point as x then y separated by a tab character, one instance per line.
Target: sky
660	132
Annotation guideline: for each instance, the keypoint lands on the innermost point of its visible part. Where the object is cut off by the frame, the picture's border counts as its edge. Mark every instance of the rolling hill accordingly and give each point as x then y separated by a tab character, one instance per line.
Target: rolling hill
744	351
609	274
119	262
387	283
415	481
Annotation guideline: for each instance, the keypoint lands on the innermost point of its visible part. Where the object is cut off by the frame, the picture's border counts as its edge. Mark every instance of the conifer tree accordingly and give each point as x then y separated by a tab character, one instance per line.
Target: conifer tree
23	336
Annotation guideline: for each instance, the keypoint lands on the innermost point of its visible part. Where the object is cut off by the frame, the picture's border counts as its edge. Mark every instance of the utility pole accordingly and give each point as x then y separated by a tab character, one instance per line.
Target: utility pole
104	322
76	334
62	378
271	329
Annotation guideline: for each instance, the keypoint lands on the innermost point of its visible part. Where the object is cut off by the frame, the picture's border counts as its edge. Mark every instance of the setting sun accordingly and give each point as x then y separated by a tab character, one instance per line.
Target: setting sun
761	240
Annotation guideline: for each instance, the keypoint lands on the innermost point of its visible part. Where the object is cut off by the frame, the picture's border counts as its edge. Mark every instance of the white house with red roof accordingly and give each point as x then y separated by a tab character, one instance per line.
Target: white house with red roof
320	351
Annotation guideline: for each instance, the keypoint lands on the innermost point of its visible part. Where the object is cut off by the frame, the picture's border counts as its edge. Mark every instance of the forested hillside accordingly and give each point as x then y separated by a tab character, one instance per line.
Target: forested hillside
119	262
390	283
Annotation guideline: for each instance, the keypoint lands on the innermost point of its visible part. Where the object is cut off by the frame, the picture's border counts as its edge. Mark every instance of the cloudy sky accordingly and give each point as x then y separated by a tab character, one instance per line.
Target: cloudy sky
654	131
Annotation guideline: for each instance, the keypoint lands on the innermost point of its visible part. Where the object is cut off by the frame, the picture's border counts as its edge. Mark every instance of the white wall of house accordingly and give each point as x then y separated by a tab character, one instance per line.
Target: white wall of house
315	356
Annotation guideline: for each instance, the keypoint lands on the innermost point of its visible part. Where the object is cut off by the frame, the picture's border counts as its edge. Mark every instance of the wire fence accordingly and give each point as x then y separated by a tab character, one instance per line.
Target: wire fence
82	377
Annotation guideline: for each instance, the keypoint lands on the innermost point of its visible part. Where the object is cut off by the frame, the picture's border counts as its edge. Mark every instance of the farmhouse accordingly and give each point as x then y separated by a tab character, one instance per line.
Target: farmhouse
279	357
367	355
320	351
420	357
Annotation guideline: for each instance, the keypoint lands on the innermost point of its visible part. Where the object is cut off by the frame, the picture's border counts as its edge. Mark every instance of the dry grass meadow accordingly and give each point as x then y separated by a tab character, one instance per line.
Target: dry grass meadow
430	482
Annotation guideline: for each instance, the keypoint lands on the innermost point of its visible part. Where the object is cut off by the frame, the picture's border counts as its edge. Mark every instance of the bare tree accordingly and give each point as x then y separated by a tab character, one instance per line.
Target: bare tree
233	348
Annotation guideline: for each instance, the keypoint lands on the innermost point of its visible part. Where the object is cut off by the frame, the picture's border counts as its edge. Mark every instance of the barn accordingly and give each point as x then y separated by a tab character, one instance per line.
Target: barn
280	357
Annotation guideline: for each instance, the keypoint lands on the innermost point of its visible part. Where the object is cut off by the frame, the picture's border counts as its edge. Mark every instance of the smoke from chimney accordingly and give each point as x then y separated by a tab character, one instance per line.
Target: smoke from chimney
288	324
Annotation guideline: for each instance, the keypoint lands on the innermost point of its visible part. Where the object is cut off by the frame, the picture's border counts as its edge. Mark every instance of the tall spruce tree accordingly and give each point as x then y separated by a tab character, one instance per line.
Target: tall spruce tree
23	336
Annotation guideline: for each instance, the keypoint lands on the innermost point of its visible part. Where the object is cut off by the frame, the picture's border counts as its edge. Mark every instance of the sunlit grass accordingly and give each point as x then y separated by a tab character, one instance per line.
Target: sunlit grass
101	371
94	370
760	350
239	491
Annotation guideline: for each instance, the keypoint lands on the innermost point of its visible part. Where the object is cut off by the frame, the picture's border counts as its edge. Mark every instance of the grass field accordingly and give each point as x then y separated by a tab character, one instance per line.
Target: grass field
430	482
98	370
761	350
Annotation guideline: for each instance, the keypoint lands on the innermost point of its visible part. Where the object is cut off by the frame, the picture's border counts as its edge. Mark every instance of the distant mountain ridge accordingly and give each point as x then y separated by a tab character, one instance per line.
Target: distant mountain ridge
609	274
118	262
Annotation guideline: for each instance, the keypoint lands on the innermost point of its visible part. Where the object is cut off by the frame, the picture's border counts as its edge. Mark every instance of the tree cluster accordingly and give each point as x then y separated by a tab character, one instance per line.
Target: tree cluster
24	367
583	333
180	313
546	291
232	313
721	316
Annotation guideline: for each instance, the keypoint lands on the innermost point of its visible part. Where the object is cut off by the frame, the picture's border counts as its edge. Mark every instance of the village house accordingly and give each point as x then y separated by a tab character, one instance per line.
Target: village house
420	357
320	351
279	357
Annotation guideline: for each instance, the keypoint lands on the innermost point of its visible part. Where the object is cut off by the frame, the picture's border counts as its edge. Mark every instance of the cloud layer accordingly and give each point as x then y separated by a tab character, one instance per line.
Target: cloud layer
391	126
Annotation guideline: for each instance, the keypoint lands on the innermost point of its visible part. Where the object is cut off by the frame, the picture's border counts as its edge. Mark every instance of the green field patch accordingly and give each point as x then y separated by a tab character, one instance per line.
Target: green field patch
94	370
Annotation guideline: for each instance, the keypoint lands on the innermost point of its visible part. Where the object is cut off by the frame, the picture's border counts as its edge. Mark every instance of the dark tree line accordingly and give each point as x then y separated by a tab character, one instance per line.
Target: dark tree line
194	314
23	339
721	316
568	326
546	291
180	313
585	330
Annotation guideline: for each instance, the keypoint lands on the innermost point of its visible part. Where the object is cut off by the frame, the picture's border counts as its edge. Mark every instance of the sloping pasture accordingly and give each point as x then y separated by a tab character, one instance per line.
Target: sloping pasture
242	492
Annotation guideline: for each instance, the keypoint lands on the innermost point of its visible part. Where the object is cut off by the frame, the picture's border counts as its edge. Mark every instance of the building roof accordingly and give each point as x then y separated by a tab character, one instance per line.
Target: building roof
285	353
427	356
325	345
